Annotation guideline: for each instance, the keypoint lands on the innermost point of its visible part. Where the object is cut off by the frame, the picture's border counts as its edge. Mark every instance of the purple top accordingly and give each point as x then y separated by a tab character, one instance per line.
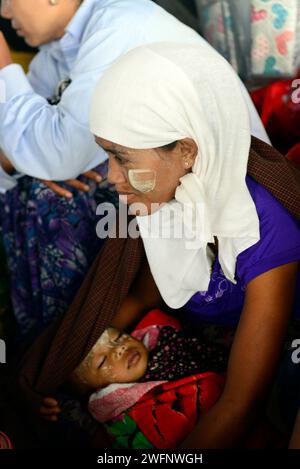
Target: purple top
279	244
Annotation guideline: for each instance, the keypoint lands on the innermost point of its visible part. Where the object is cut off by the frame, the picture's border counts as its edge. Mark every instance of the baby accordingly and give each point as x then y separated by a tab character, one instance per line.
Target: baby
163	354
115	358
156	353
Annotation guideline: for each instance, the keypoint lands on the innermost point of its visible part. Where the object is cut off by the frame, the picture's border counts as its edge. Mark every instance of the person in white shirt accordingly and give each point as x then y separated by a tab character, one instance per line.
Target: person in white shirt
44	135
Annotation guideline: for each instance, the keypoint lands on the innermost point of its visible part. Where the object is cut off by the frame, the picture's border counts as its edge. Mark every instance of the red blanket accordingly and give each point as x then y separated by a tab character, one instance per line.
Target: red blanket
167	414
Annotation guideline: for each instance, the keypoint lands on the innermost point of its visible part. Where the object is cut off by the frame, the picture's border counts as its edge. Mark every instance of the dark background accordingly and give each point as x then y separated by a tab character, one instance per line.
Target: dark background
16	42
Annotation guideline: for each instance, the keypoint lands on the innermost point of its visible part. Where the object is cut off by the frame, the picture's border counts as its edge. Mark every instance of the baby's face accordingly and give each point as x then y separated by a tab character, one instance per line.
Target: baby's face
115	358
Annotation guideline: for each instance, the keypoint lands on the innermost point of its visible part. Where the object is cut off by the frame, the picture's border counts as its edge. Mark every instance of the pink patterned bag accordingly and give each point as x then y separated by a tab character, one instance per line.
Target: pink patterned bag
275	31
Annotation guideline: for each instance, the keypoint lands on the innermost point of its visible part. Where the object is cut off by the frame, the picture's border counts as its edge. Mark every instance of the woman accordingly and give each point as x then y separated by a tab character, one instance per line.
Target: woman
182	123
50	242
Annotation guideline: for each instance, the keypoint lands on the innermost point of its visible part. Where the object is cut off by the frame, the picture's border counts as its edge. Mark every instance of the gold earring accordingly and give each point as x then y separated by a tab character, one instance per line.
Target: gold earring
186	164
53	2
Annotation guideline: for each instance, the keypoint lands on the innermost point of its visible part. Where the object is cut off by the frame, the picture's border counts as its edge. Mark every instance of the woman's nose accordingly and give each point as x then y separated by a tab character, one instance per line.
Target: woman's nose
115	173
5	10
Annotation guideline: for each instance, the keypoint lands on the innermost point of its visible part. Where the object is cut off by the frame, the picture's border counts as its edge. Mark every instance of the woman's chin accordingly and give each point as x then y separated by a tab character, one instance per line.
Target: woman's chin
35	41
139	209
137	206
29	41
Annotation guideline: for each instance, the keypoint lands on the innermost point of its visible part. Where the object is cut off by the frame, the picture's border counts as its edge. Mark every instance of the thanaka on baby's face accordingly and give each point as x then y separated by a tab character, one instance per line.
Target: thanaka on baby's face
115	358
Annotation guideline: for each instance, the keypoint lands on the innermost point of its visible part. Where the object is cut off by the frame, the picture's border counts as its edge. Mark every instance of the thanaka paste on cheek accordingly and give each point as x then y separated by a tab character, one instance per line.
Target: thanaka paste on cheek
142	180
107	371
87	363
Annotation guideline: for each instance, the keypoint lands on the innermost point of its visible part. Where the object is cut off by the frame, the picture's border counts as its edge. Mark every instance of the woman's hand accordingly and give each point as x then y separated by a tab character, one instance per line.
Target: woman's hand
6	164
50	409
253	360
80	186
54	186
5	55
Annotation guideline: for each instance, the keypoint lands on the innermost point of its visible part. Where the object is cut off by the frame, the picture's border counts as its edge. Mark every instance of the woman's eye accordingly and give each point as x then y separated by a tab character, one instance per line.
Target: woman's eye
120	160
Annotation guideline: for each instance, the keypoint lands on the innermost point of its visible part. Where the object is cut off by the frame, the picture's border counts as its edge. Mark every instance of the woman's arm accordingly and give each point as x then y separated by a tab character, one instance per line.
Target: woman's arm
6	164
143	296
5	55
254	356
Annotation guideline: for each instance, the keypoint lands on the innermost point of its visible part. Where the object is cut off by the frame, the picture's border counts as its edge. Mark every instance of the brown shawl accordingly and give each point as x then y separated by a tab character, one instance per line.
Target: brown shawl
64	344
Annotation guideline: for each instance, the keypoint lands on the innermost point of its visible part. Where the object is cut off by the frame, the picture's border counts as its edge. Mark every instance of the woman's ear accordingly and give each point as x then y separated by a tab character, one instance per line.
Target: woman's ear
189	151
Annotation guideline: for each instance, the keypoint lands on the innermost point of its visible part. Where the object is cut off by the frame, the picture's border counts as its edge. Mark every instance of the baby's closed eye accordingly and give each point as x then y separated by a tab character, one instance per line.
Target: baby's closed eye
101	362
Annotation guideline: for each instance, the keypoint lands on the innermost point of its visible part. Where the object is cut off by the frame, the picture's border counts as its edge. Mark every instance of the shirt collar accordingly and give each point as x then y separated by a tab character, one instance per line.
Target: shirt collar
75	29
71	40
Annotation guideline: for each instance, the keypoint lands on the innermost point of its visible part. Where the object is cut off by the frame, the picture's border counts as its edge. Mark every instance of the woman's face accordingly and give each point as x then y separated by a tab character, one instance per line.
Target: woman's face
37	21
148	178
115	358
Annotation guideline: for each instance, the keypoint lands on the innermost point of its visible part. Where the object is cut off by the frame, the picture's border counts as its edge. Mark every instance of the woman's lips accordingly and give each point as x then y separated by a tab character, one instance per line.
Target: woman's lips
133	358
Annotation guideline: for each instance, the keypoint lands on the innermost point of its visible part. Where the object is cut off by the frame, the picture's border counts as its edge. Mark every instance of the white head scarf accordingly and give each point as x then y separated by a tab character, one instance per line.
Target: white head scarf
164	92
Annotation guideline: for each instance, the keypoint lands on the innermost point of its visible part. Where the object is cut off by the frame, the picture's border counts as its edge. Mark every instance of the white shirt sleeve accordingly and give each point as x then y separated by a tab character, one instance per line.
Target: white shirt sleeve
43	74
